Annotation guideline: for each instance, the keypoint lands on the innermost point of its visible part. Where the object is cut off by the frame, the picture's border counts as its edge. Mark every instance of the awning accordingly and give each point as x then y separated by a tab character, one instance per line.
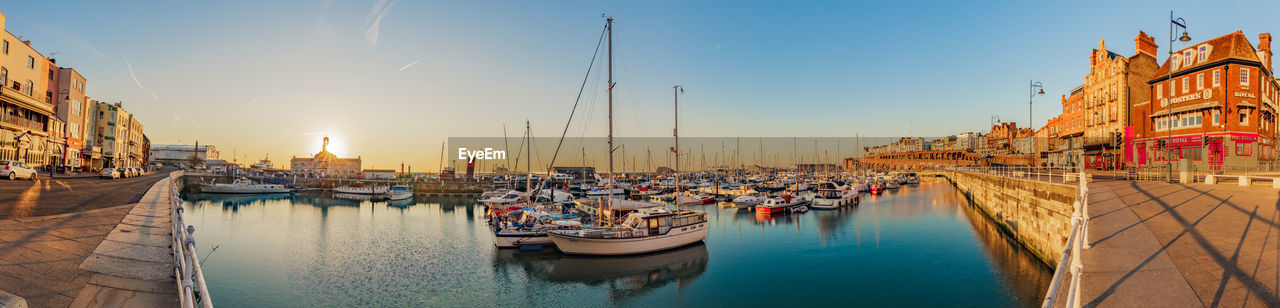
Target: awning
1199	106
1246	104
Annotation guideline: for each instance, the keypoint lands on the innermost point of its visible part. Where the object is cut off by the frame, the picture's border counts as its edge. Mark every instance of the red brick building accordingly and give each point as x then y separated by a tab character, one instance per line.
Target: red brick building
1222	106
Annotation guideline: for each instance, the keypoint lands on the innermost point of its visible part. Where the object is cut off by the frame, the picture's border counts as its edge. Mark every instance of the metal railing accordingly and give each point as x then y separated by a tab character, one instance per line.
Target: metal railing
190	278
1077	242
22	122
1041	174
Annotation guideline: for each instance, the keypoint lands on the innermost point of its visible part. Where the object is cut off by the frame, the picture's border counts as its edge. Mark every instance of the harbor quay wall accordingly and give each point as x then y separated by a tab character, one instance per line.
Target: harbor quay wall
191	182
1037	214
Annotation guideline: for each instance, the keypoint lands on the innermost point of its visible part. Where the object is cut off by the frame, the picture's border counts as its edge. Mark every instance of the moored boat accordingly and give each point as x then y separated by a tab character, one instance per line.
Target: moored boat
642	231
243	186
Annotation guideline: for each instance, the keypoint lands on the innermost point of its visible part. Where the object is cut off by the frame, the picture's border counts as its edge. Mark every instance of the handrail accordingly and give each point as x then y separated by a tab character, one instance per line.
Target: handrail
186	262
1077	241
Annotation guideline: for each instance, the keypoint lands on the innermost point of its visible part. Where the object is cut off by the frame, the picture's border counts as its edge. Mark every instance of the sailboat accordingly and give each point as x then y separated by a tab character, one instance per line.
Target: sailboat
642	231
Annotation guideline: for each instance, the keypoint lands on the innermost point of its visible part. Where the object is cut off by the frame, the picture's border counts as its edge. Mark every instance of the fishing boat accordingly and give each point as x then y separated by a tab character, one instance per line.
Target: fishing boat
243	186
830	196
642	231
778	205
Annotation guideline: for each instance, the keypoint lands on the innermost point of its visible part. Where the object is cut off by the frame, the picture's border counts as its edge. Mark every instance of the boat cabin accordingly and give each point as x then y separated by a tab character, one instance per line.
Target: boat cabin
661	222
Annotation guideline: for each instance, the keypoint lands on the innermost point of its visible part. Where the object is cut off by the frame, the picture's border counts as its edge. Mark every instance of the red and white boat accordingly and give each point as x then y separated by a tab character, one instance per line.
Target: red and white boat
778	205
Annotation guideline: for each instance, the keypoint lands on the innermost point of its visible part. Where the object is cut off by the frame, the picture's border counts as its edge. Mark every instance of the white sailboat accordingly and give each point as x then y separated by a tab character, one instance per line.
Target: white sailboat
642	231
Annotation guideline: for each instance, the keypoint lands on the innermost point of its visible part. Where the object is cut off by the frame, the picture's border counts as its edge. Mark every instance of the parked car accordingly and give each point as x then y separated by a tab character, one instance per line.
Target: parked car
141	171
109	174
12	170
124	172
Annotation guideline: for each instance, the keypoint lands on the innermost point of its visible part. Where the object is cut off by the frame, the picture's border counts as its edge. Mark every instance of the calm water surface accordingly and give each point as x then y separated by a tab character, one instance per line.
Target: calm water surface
919	246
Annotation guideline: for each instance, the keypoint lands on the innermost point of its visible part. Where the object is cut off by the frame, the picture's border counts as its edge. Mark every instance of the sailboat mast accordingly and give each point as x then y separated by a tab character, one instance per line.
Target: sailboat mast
675	132
528	163
609	27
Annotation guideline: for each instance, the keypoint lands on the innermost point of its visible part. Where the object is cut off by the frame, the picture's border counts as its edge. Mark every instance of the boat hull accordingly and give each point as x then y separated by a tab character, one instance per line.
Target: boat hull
831	204
516	241
242	190
629	246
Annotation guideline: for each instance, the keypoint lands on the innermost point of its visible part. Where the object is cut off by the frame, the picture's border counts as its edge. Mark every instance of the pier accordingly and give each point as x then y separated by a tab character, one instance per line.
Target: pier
104	256
1148	243
1181	245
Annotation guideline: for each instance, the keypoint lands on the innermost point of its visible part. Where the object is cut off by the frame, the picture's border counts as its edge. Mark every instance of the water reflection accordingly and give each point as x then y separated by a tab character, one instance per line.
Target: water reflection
312	248
1015	263
233	202
622	277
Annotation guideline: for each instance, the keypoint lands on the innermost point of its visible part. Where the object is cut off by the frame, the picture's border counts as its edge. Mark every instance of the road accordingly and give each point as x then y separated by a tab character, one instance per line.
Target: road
45	196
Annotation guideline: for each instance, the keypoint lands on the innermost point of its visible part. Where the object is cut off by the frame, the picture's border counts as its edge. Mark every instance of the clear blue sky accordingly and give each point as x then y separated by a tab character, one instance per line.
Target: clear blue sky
390	80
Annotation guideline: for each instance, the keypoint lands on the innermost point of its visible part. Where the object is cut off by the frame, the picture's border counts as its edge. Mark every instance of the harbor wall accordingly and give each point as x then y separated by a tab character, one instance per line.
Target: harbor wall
1037	214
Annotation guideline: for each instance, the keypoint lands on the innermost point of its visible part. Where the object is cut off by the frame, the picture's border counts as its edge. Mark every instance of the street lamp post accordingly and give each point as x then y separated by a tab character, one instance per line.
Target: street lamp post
1031	136
1168	117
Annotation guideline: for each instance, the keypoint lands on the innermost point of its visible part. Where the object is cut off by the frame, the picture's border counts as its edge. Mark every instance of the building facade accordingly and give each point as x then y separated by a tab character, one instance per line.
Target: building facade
71	106
1217	109
325	164
181	153
1114	84
25	109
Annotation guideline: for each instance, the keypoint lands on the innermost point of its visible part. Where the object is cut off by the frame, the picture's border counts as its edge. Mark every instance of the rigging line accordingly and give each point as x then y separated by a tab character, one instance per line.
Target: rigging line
637	114
646	56
592	100
575	102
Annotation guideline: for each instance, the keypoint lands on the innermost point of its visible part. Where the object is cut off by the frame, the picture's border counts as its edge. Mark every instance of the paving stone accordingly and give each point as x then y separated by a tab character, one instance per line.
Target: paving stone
145	270
134	252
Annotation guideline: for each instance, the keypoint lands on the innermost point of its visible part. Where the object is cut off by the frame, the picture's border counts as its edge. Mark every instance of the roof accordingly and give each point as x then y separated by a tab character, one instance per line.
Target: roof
1234	45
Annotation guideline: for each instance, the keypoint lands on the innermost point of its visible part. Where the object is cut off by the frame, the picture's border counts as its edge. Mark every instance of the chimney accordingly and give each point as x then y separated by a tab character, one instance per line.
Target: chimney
1144	43
1264	50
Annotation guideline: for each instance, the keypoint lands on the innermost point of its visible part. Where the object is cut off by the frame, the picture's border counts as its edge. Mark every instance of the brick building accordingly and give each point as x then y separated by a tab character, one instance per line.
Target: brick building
1221	112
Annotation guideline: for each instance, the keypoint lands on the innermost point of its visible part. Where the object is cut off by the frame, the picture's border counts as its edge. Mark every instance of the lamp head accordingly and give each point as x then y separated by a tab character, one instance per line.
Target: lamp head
1185	38
1041	91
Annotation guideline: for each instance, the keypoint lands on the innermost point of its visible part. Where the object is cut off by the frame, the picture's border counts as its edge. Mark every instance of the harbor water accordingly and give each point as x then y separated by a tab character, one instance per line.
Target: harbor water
922	245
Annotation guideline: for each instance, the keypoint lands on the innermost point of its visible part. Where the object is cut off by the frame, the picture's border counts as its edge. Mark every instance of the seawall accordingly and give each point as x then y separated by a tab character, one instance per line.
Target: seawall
1037	214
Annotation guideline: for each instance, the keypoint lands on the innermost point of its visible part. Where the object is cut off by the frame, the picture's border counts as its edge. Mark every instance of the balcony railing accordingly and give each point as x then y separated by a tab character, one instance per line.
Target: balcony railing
22	122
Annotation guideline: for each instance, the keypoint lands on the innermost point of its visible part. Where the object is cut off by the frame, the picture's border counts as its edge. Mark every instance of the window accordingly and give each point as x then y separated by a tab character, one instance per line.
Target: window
1244	149
1184	85
31	62
50	74
1159	91
1199	81
28	89
1203	53
5	47
1244	76
1244	117
4	77
1186	57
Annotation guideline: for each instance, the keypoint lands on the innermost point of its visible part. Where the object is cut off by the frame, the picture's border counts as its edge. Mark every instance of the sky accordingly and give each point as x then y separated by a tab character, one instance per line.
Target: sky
390	80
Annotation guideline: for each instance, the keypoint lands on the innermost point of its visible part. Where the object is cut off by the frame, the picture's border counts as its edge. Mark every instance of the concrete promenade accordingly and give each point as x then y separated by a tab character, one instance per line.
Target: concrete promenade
1174	245
116	256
